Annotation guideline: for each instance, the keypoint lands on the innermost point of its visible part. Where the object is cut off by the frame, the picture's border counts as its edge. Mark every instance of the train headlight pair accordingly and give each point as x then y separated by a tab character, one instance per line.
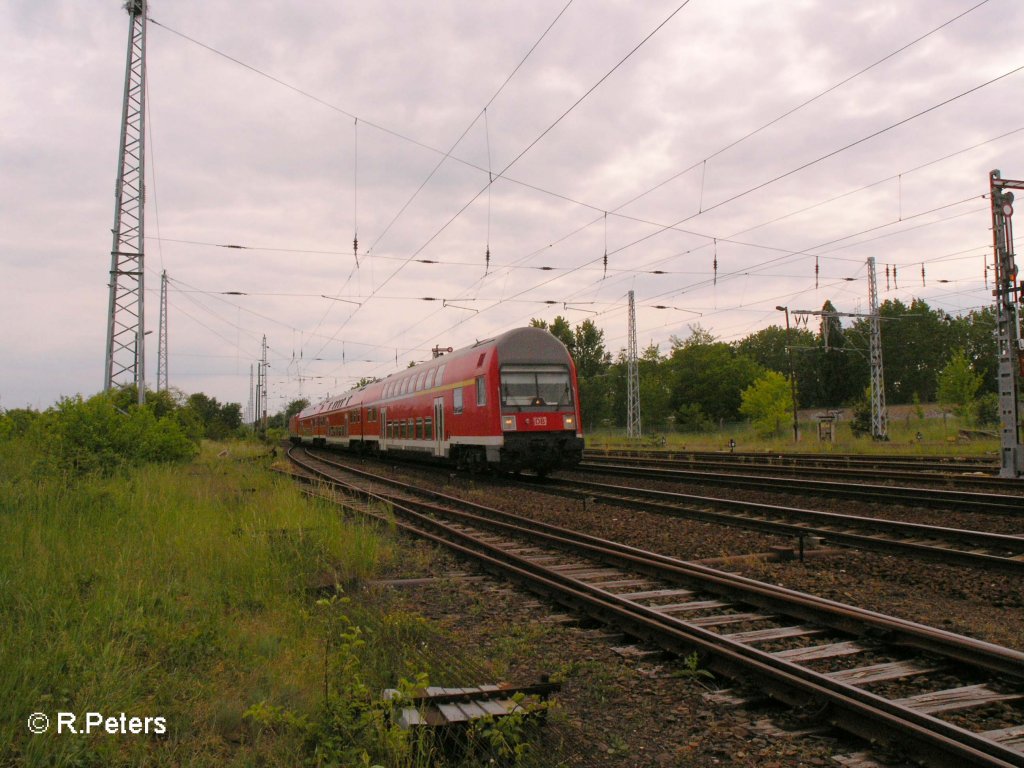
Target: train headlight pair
508	423
568	422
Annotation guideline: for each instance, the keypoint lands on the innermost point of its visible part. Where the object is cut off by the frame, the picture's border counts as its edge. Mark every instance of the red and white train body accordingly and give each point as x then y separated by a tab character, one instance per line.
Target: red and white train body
510	402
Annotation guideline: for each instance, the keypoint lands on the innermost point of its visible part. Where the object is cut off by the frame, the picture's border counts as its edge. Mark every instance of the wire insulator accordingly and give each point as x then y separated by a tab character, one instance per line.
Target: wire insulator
714	265
895	284
605	265
923	283
815	273
355	249
887	277
487	260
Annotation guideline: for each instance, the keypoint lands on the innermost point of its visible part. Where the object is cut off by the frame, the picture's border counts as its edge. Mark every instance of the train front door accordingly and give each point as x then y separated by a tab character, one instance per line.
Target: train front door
439	426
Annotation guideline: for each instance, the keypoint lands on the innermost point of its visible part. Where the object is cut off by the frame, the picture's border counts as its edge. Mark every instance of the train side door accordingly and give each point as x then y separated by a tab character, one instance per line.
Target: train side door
439	426
382	420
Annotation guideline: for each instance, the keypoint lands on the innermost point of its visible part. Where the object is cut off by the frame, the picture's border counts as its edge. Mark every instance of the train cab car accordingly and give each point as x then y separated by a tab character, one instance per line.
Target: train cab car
509	403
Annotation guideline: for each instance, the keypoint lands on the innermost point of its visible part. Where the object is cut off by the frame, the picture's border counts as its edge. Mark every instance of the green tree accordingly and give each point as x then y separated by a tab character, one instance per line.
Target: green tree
767	402
915	340
832	382
655	390
975	334
205	415
586	345
710	376
767	347
958	385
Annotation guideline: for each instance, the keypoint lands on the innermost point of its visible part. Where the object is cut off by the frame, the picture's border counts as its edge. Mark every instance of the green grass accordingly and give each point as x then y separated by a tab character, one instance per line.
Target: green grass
939	437
175	591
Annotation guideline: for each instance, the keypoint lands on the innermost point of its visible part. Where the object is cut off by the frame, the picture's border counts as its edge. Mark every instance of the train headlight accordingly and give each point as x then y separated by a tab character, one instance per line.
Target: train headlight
568	422
508	423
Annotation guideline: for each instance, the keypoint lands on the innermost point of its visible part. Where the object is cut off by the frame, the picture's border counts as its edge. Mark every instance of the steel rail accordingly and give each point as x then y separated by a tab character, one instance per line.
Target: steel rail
905	461
835	614
993	550
853	709
919	475
924	497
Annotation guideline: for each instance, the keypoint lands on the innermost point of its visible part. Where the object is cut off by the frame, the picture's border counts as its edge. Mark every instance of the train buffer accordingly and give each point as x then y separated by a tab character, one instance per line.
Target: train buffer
437	707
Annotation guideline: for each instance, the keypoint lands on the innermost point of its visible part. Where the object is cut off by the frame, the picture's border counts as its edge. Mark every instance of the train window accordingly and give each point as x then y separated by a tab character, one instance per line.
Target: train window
480	361
430	378
419	429
371	414
420	379
457	396
535	386
428	428
440	374
481	391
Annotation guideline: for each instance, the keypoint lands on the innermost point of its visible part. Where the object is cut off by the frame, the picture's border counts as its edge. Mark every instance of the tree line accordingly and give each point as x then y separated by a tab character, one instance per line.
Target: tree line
700	381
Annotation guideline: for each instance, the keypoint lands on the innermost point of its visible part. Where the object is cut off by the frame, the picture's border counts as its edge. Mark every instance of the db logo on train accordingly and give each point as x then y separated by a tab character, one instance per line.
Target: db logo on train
537	421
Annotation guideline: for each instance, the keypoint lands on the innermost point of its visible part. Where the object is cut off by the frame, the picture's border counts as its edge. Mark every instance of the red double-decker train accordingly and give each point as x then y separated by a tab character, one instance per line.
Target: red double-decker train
510	403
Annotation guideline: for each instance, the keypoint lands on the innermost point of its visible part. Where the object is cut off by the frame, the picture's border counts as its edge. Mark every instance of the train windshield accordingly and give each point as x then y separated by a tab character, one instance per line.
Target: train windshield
535	386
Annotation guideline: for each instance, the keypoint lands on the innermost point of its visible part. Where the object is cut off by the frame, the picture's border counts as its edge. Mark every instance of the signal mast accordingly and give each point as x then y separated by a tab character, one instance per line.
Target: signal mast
1008	332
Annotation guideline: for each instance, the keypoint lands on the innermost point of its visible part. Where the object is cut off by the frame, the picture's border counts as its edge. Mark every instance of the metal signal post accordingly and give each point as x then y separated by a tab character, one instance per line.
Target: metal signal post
125	358
1007	293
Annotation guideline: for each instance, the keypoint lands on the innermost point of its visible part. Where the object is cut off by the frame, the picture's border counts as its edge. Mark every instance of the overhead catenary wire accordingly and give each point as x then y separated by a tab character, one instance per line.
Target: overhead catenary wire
605	217
526	149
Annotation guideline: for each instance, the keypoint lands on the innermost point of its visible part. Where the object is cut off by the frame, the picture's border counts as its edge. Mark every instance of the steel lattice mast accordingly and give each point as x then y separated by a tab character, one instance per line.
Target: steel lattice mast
633	428
1008	332
879	417
125	359
161	355
261	398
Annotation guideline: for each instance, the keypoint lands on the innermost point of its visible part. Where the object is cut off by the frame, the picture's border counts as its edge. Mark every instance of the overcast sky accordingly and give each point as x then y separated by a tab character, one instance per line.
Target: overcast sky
291	128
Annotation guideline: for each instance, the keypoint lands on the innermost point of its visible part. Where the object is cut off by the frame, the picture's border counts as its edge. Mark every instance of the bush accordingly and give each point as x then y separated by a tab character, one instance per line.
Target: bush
986	410
94	435
691	418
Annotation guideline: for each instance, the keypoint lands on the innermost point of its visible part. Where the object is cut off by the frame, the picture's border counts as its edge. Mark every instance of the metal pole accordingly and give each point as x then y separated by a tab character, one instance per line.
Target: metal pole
792	375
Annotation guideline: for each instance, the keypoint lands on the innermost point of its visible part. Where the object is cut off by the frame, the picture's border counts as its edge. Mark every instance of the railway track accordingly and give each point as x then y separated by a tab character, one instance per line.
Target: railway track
947	699
938	475
950	545
828	460
995	503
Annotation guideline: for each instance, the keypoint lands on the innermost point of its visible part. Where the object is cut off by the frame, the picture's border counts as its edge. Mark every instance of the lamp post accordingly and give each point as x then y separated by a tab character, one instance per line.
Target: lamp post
792	376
